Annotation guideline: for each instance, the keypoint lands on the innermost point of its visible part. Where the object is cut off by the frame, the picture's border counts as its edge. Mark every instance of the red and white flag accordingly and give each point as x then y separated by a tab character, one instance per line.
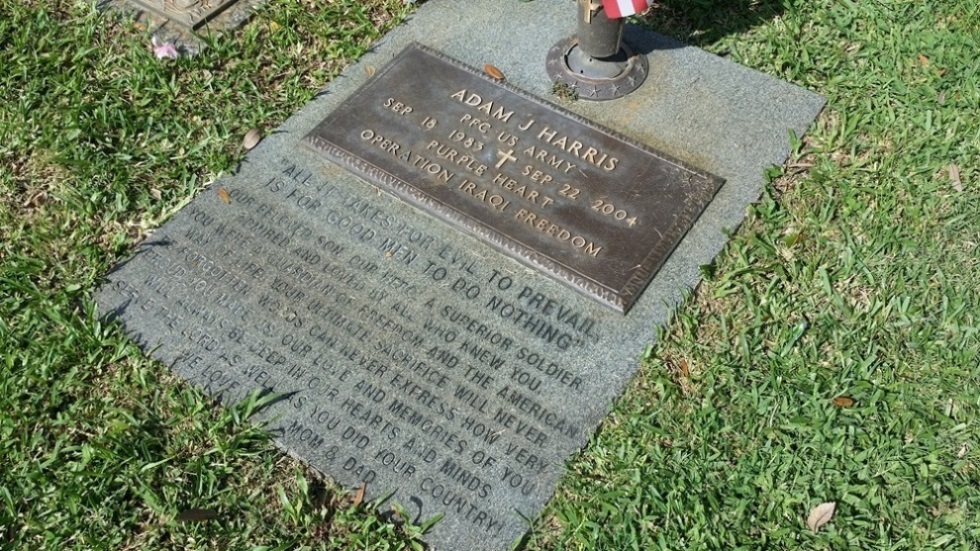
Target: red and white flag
624	8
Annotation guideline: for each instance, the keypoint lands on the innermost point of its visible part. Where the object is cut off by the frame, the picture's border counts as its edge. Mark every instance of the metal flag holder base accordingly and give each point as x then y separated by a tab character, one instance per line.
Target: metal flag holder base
585	75
596	64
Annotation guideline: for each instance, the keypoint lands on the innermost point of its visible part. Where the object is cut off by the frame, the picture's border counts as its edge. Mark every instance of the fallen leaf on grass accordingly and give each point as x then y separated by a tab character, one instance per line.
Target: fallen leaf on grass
155	193
954	175
223	194
252	139
359	495
196	515
820	515
36	200
843	401
792	238
493	72
923	60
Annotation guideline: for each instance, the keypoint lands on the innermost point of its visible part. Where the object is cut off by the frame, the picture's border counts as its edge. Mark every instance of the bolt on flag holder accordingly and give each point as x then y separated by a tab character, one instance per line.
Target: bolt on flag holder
595	63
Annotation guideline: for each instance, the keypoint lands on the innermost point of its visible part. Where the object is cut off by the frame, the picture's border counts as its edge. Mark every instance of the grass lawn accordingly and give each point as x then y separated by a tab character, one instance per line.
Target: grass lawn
832	353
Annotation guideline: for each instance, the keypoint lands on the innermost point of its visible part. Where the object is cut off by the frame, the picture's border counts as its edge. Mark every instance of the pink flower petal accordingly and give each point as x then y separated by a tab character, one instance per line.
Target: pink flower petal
164	50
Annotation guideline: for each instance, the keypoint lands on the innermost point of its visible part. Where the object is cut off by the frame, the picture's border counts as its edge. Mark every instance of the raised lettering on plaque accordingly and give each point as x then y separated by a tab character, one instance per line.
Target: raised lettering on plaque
579	202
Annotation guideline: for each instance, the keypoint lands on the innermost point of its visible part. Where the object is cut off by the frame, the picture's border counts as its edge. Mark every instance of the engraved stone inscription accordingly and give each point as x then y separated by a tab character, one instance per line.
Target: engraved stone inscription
589	207
189	13
403	360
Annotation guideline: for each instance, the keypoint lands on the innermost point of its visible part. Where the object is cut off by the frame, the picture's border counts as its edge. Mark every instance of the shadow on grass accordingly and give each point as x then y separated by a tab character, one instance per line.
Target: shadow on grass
705	22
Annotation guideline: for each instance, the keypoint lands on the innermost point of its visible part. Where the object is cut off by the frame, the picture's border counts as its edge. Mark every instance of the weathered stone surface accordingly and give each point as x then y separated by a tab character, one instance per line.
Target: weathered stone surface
190	14
178	21
411	355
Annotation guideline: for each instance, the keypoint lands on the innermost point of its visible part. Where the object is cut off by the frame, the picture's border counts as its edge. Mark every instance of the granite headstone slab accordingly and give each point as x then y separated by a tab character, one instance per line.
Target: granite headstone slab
181	21
190	14
408	353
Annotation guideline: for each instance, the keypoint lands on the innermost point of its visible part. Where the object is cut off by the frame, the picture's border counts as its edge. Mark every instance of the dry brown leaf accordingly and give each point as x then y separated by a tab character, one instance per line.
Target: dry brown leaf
196	515
493	72
155	193
359	495
36	200
923	60
369	70
685	370
223	194
252	139
843	401
820	515
954	175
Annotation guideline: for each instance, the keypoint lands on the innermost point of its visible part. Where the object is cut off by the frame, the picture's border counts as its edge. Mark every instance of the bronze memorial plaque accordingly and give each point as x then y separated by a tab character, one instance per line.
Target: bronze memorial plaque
188	13
585	205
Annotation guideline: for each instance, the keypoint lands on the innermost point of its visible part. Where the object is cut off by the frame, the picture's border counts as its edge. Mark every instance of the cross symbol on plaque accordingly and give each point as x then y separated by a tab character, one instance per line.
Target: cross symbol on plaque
504	157
591	9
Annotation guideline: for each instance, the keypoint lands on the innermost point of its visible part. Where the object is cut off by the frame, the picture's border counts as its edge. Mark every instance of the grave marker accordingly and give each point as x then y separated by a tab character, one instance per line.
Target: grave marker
189	14
551	189
180	21
427	344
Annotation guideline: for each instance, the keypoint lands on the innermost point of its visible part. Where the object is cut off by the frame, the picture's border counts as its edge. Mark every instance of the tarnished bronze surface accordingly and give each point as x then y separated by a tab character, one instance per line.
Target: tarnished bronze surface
591	208
634	70
188	13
